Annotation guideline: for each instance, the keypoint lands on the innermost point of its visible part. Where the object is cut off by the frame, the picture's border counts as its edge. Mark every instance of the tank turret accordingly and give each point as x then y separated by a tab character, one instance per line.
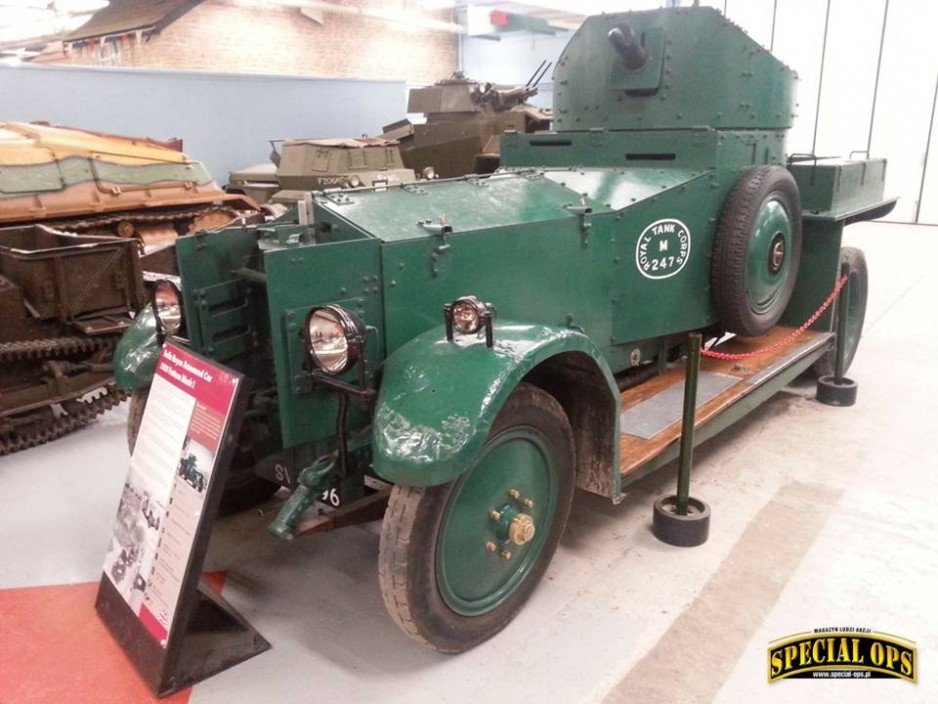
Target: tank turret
687	67
464	120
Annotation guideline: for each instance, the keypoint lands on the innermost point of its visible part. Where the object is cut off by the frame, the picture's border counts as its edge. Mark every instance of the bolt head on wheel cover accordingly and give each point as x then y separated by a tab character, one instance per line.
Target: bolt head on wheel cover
471	579
683	531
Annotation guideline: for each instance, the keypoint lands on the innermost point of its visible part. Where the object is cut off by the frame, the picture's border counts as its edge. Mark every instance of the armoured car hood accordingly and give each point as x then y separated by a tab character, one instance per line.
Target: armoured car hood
504	199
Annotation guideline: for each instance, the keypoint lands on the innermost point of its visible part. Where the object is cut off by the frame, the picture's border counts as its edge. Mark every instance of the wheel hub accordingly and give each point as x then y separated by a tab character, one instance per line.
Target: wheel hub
777	253
521	529
496	523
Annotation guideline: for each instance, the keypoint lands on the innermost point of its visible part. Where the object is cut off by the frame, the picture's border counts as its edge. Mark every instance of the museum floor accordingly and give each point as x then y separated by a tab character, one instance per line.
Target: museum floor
821	517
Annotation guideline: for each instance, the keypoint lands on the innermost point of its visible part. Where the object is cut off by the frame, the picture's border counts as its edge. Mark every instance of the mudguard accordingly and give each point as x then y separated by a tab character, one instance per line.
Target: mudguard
438	399
137	352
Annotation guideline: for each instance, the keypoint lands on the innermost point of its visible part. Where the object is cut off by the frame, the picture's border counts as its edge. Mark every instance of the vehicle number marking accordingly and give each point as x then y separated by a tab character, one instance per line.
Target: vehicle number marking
663	249
331	497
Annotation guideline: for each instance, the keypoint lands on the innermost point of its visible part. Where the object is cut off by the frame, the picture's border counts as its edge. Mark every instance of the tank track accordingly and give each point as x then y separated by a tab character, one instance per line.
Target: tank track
48	348
84	224
51	347
63	425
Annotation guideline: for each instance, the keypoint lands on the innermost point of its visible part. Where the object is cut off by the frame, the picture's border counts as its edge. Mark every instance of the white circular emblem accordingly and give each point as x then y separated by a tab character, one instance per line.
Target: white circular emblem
662	249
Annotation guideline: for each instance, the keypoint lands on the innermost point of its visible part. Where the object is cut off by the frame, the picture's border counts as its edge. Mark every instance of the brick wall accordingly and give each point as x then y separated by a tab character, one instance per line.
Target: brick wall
232	36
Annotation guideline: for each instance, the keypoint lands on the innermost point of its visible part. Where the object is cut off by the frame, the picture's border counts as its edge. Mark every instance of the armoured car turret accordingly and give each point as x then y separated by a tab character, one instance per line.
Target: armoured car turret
464	119
472	349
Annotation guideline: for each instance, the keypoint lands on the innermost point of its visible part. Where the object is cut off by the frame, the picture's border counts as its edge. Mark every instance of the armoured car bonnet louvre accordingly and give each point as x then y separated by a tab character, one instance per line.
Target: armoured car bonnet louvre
508	199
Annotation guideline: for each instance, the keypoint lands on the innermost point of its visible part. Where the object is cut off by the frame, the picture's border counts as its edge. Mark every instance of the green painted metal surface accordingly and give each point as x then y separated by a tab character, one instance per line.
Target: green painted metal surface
16	180
137	352
597	238
837	187
300	278
438	399
706	71
772	228
473	579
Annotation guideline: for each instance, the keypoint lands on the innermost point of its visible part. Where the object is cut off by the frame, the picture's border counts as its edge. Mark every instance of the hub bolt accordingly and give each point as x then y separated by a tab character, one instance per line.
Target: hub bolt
495	515
528	503
505	555
521	529
513	493
490	546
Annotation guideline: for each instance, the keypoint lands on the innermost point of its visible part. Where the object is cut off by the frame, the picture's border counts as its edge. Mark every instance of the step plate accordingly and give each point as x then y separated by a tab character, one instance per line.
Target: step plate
656	414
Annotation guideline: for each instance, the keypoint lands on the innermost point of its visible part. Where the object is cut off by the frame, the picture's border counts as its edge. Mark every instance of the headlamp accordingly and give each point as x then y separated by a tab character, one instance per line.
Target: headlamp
334	337
468	315
167	305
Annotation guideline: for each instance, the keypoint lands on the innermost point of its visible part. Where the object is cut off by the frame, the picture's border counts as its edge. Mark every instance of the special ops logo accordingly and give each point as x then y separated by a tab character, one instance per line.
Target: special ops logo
662	249
842	653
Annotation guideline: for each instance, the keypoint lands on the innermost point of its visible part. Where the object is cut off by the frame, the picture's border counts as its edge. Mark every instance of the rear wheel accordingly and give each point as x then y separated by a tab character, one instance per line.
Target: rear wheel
856	310
457	561
756	251
243	490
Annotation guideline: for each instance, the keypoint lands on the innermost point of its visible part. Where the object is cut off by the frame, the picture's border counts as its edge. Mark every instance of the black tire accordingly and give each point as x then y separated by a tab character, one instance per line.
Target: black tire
407	564
729	280
244	489
859	291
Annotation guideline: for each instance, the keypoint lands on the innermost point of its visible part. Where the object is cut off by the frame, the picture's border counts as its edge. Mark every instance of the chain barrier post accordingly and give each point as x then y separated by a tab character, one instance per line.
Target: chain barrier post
681	519
840	354
687	423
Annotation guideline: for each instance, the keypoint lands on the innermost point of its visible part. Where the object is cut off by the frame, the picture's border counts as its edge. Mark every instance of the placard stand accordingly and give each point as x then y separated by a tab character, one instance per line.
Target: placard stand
206	635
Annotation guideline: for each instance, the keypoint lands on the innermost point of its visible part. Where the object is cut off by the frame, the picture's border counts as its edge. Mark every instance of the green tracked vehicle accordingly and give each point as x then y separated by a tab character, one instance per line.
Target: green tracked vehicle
467	351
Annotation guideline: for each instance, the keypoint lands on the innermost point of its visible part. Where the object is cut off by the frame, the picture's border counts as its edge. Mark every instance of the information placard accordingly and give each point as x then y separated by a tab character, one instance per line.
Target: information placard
149	593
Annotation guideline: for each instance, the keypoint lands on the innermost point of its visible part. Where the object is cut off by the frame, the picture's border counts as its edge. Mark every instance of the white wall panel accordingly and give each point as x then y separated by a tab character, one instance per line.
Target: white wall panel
223	119
754	16
929	211
906	90
853	38
799	37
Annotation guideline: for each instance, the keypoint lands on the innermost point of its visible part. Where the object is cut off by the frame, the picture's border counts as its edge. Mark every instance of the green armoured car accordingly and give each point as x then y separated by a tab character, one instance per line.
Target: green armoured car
458	355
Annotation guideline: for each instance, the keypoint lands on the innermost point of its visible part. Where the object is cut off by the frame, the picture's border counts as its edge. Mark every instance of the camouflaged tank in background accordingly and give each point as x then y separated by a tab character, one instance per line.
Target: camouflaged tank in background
82	215
465	119
109	185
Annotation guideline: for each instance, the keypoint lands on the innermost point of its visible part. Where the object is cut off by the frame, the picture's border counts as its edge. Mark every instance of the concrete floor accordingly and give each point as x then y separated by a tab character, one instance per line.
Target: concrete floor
821	517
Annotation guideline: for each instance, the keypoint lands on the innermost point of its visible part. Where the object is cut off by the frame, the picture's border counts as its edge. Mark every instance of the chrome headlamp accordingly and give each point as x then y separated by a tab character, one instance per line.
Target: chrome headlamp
468	315
167	305
334	337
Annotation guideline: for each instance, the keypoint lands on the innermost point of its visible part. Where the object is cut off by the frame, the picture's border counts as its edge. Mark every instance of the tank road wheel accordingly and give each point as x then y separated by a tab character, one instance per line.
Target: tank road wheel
457	561
756	251
856	310
244	489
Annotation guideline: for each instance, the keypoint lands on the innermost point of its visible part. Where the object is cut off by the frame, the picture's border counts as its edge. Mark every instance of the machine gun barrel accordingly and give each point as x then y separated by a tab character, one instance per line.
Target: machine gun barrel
626	44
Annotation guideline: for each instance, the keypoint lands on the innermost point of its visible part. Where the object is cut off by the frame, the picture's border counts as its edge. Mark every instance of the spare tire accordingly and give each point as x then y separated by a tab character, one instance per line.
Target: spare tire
756	251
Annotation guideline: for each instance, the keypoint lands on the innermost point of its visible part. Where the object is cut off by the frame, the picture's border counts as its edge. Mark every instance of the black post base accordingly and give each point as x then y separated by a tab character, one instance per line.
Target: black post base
686	531
833	393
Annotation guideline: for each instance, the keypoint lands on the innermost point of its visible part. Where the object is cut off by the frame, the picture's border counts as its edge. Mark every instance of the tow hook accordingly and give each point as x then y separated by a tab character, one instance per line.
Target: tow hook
312	482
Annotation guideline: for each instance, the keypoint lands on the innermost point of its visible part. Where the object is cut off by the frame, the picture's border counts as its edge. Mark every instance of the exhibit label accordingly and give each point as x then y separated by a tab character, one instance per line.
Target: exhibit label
175	457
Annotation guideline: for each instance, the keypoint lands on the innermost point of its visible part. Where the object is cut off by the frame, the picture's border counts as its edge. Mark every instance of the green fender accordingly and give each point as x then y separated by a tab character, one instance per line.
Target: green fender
438	399
136	353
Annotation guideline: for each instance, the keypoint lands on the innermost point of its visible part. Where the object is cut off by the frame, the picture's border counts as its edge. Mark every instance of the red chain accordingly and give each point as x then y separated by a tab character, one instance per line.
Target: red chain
788	338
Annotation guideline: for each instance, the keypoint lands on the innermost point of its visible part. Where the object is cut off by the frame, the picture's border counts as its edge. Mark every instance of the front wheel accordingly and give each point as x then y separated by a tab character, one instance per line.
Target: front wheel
457	561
